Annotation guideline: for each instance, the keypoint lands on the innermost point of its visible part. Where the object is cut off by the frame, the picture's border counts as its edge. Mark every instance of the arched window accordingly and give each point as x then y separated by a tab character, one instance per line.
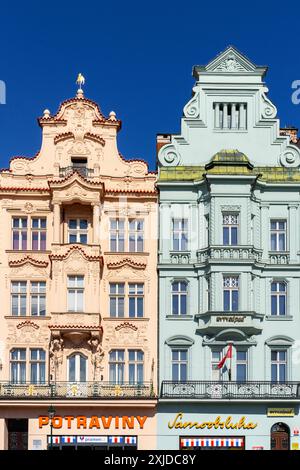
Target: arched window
179	297
77	368
278	298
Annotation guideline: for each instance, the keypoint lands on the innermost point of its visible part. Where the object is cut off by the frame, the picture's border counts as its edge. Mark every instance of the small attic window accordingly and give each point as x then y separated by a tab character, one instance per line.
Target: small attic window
79	162
230	116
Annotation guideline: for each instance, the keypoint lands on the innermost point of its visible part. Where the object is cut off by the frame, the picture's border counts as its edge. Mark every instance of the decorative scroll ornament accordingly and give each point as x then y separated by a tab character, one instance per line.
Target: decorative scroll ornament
192	108
169	156
290	158
268	111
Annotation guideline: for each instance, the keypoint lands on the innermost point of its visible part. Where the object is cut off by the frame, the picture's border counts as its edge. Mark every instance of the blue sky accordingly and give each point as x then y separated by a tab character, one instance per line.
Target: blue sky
137	58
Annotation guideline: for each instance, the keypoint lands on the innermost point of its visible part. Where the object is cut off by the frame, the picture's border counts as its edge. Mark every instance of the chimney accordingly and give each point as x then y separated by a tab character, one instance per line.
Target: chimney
161	140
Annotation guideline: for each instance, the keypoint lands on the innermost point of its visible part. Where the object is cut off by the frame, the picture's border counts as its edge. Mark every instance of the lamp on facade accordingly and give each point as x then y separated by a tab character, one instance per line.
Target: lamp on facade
51	414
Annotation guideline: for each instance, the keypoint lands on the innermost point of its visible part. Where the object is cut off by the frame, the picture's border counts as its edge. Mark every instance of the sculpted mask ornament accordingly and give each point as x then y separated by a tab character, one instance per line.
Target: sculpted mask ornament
97	356
56	355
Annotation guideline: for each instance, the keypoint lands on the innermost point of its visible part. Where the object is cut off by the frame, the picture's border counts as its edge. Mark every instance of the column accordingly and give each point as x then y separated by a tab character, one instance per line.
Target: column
225	116
217	115
56	222
233	116
292	232
265	231
242	116
96	226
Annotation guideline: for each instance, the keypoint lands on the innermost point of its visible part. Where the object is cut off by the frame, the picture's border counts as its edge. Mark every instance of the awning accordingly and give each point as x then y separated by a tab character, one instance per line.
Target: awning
211	442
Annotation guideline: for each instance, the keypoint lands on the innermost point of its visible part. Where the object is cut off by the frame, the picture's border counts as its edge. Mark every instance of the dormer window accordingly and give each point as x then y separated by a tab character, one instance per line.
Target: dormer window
230	116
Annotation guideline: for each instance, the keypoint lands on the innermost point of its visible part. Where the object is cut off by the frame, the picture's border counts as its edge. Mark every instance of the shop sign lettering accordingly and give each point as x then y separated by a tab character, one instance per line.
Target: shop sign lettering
94	422
218	423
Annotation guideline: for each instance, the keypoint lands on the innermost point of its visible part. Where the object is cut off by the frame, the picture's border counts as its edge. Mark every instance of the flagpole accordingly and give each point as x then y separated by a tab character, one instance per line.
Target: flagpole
230	363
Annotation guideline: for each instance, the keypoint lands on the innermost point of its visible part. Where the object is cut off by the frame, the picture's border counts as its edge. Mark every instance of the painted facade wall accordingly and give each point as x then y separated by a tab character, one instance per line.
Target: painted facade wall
79	185
228	165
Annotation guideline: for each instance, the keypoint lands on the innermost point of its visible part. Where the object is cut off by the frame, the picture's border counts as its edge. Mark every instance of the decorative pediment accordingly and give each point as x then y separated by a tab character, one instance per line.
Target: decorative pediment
126	324
75	187
76	252
133	262
27	323
230	61
30	260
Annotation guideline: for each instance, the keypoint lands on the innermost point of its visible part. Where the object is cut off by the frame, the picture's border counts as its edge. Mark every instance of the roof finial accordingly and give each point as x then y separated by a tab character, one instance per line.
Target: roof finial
80	81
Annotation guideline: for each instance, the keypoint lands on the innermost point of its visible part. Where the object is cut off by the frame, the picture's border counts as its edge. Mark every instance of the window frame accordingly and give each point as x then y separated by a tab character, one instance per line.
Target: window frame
179	295
277	232
277	295
278	363
182	233
180	362
77	231
231	290
78	290
231	227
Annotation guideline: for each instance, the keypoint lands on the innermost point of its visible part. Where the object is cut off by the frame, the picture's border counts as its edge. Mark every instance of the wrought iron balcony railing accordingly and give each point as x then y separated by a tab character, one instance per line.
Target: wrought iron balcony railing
82	170
205	390
76	390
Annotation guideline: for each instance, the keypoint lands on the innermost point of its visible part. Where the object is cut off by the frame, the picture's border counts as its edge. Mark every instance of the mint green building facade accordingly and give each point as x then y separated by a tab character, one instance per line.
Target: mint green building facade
229	267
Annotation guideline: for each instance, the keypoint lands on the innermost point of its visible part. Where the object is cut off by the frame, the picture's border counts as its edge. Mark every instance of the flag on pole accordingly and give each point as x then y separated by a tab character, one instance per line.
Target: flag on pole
228	355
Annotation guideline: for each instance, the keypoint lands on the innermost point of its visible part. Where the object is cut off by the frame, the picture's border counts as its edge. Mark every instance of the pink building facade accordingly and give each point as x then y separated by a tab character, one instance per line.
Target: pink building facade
78	287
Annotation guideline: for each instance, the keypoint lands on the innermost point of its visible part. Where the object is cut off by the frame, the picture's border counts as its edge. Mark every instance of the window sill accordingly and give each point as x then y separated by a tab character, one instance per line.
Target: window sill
279	318
127	319
126	253
29	251
26	317
179	317
240	131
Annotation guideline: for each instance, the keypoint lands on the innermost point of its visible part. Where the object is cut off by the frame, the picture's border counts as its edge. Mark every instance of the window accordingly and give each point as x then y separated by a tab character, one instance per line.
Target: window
179	365
179	298
278	298
19	225
18	298
37	366
78	231
278	235
230	116
180	234
241	366
38	234
75	293
117	299
136	366
231	293
116	366
136	300
136	235
117	235
77	368
278	365
230	229
216	374
18	365
38	298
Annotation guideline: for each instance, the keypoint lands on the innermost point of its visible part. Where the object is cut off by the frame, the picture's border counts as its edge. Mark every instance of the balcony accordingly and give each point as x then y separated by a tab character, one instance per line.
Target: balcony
219	253
76	390
213	322
82	170
279	257
206	390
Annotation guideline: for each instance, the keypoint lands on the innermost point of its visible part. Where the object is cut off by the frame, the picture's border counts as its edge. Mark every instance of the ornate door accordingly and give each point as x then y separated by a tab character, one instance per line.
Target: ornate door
280	437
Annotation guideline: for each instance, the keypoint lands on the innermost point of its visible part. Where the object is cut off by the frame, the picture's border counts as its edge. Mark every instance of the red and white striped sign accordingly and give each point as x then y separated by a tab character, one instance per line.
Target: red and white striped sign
130	440
212	442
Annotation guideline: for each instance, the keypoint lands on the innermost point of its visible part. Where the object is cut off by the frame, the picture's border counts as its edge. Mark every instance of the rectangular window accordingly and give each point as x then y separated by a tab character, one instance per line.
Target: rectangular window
135	366
18	366
78	231
117	235
136	300
116	366
278	298
75	293
278	235
180	234
38	234
117	299
216	374
19	229
230	229
136	235
278	365
230	293
38	298
241	366
179	365
230	116
179	298
18	298
37	366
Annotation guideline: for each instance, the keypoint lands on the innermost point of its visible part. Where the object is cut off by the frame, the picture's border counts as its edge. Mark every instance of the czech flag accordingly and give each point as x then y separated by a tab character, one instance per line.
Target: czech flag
228	355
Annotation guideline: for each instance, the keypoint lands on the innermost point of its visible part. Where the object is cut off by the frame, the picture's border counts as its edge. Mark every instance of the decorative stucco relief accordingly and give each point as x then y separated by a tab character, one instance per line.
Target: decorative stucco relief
169	155
268	109
128	273
27	332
